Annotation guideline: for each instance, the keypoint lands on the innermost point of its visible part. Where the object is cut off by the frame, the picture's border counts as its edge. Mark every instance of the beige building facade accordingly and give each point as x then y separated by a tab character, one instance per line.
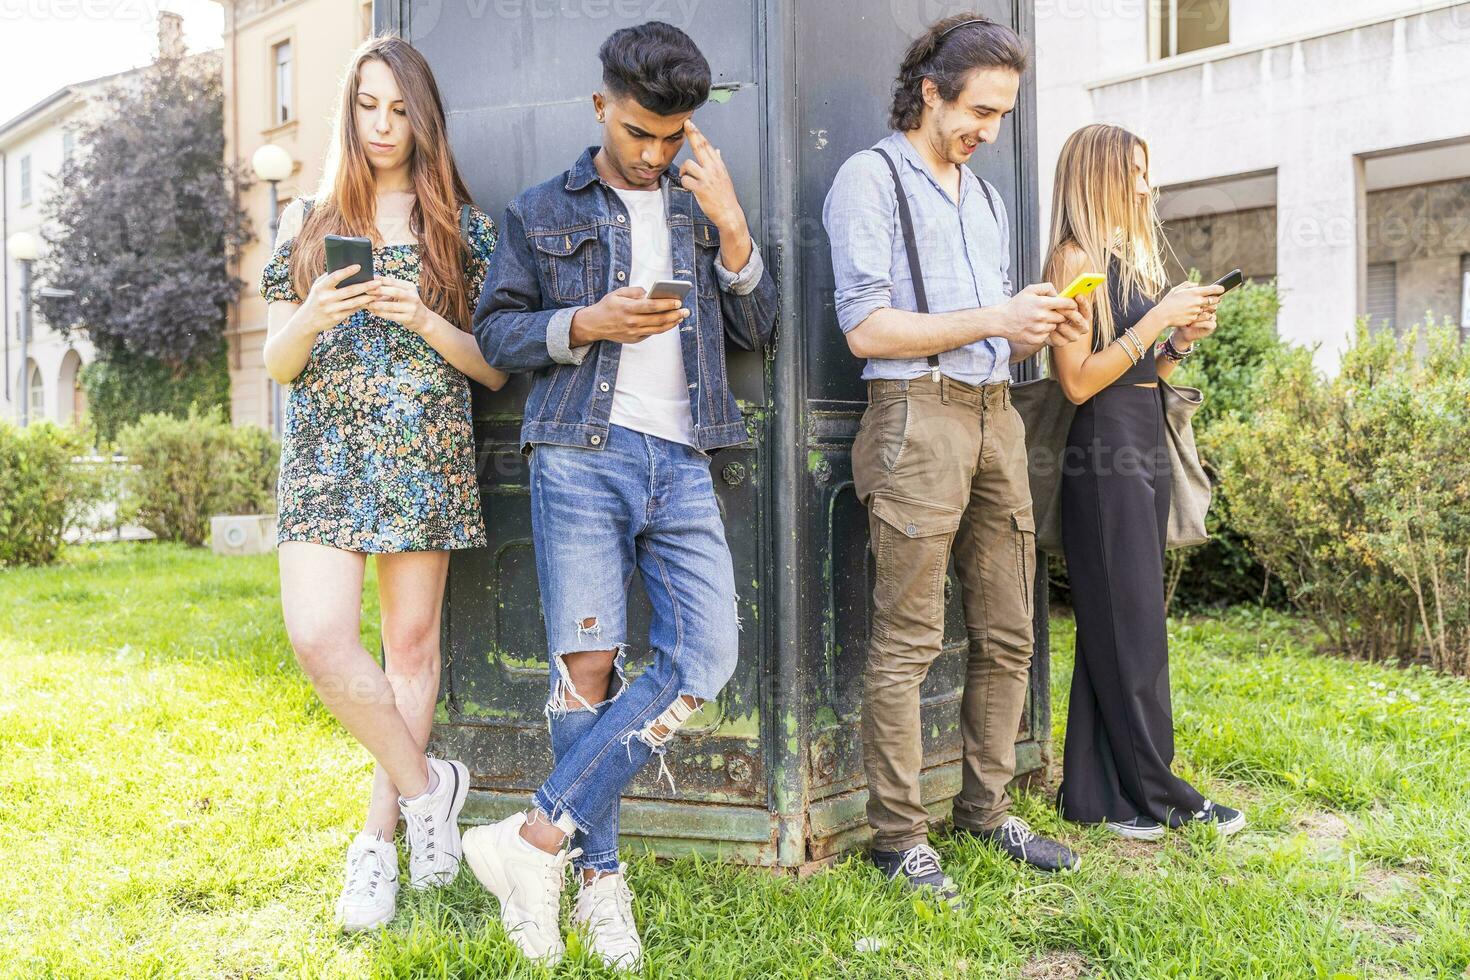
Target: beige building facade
283	64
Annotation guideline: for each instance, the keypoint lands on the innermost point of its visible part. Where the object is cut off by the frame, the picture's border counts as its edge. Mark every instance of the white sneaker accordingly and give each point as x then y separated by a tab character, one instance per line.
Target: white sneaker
528	882
370	894
432	820
604	914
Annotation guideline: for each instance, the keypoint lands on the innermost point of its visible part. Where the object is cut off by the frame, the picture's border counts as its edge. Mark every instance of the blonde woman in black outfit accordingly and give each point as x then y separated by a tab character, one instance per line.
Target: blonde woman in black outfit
1115	490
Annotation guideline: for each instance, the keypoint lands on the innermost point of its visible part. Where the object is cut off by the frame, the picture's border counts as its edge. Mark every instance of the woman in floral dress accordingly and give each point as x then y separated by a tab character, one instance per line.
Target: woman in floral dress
378	455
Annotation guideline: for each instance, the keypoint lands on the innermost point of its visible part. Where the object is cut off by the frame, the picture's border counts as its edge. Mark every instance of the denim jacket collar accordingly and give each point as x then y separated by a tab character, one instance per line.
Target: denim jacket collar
584	173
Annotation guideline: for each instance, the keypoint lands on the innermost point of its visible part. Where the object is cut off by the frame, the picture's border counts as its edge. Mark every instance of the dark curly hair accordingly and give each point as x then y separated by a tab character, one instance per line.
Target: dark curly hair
657	65
947	52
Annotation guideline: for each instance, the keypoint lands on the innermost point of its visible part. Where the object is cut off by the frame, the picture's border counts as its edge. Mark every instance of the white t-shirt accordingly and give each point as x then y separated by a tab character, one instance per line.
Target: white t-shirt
652	391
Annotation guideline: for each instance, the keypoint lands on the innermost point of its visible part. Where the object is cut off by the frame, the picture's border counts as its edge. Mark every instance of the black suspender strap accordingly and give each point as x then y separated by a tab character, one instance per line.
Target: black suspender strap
911	245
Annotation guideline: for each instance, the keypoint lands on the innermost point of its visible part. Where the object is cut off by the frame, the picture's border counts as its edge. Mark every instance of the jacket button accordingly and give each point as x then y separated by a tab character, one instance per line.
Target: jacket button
604	386
622	276
621	219
911	530
596	440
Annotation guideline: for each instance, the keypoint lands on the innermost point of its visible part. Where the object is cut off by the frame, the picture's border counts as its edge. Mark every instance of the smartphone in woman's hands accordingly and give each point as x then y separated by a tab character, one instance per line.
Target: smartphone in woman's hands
343	251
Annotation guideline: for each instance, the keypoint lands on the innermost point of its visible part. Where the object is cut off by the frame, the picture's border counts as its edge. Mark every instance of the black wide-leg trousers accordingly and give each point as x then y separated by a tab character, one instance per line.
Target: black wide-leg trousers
1115	512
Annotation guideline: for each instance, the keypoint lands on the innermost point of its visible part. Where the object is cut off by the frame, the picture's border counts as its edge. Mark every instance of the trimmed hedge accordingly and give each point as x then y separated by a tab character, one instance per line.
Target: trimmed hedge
42	495
1355	492
183	471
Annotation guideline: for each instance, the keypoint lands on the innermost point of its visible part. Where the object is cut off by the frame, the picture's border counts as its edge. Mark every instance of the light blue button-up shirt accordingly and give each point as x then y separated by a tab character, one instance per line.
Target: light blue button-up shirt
964	251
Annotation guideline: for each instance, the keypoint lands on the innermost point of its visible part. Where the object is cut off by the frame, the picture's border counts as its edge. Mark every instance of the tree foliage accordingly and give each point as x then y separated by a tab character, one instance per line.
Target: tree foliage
144	221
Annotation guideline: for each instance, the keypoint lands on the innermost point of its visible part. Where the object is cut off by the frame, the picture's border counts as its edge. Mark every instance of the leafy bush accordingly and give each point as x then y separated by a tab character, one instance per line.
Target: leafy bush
41	494
1355	491
1228	369
123	387
182	471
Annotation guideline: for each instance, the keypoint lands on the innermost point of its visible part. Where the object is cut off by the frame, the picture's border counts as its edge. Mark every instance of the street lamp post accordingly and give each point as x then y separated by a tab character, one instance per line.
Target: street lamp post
273	165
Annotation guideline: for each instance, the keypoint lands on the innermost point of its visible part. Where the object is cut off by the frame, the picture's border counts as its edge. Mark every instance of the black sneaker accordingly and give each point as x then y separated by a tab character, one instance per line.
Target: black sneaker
1018	841
919	868
1139	828
1222	818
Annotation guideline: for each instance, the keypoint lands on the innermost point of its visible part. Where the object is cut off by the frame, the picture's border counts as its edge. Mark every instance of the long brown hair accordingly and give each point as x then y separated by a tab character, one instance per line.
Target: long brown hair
1094	208
948	52
346	201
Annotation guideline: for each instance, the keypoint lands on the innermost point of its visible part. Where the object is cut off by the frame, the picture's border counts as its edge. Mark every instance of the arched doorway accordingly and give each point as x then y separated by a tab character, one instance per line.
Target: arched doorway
34	392
71	400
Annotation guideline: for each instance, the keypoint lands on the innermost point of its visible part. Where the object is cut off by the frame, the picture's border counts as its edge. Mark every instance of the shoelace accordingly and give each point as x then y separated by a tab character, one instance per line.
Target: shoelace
548	913
1204	814
360	876
613	907
920	861
1018	832
420	834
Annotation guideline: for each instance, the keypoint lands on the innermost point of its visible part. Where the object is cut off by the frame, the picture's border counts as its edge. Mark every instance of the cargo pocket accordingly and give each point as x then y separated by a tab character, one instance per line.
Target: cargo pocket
917	518
1023	527
912	552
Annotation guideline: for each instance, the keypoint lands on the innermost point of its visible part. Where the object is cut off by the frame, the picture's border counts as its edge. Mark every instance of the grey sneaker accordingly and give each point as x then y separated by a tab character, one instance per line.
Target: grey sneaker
919	868
1016	840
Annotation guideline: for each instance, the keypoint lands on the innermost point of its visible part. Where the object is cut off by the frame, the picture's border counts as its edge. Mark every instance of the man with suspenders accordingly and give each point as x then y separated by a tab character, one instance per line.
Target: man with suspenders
920	253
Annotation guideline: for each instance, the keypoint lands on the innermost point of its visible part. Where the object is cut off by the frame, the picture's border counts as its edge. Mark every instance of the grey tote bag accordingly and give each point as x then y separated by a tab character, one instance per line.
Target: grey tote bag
1047	413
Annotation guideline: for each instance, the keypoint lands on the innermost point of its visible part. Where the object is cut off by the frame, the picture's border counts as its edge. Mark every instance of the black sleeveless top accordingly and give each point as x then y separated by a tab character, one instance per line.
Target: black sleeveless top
1126	315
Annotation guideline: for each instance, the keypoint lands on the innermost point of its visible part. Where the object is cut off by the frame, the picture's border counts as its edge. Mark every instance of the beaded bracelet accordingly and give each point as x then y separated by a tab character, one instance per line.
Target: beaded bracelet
1173	353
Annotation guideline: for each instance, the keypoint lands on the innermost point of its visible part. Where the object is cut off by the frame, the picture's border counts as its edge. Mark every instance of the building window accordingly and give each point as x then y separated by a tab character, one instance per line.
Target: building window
68	146
25	180
35	395
1182	26
281	62
1383	295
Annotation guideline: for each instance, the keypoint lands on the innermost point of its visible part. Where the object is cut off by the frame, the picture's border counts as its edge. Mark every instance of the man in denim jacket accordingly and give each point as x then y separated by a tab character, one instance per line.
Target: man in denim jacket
630	394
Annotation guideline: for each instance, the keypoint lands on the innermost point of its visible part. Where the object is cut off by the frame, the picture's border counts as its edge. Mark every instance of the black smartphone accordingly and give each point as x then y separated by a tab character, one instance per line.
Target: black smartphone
1230	280
343	251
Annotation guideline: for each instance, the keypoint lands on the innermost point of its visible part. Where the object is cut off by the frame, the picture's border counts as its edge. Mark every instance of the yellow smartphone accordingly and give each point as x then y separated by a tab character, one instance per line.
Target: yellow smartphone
1083	285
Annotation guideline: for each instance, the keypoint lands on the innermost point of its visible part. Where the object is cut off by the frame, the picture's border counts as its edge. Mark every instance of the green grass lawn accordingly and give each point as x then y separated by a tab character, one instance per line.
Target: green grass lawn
174	802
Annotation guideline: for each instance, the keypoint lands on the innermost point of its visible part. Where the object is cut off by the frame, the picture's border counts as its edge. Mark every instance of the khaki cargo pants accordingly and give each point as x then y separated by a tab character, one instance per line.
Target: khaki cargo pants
942	468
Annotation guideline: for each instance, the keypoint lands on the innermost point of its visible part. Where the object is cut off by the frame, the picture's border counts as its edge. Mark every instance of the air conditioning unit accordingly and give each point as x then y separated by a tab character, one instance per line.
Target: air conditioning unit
242	534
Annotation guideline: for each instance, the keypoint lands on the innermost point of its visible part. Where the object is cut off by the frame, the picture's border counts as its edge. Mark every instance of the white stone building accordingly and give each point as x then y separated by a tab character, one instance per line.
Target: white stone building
33	146
1326	144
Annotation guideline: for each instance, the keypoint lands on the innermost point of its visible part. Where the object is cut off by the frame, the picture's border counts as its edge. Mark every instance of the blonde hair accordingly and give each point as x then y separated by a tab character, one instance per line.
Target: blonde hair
1095	209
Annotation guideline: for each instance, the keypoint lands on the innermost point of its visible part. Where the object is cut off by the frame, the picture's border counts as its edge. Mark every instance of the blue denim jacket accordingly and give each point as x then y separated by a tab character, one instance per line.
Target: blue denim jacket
564	245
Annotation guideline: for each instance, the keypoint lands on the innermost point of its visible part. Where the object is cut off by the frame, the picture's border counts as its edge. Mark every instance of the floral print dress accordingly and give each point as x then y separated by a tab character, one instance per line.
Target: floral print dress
378	453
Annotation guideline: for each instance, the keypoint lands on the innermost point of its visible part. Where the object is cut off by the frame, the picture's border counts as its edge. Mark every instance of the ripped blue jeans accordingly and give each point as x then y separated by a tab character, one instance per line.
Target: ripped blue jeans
641	504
